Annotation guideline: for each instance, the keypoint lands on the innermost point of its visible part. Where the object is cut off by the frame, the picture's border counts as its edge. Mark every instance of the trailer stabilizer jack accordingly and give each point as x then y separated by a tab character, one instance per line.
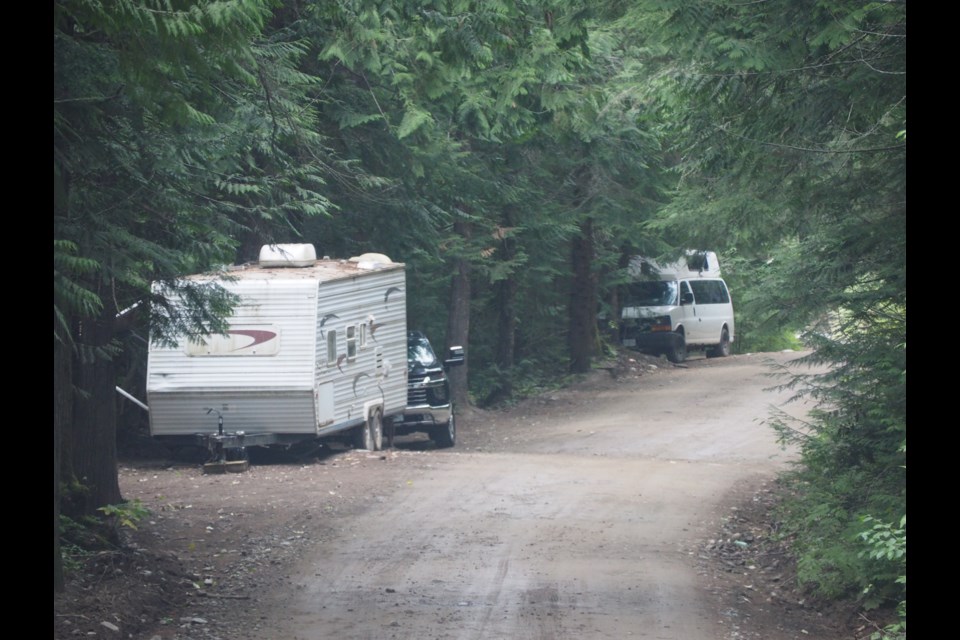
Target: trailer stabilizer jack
228	451
226	466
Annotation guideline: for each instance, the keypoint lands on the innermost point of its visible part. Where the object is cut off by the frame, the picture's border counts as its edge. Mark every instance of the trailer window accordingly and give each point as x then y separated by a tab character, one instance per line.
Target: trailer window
363	336
351	343
332	347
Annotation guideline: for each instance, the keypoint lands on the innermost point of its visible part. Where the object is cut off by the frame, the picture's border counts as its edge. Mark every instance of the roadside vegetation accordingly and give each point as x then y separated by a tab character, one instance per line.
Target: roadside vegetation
514	155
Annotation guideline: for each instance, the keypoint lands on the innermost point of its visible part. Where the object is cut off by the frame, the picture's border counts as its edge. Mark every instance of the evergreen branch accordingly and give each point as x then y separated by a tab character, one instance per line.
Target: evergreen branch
116	94
375	101
780	145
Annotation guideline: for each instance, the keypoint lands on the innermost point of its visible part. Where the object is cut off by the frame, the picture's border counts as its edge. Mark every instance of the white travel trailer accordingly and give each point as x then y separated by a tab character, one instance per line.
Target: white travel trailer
314	348
669	309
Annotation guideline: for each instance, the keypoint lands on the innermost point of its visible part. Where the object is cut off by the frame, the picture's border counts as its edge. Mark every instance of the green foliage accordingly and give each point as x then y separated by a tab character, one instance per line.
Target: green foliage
74	543
896	630
68	292
853	454
853	449
760	327
185	309
83	536
886	543
527	377
755	340
185	136
126	514
485	114
787	118
177	130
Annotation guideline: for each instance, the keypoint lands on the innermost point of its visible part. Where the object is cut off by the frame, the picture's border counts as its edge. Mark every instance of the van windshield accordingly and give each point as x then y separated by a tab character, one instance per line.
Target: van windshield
658	293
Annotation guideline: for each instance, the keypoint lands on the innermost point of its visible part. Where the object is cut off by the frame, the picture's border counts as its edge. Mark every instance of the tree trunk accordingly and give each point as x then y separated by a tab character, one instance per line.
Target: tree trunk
615	301
92	457
506	322
62	404
458	322
583	300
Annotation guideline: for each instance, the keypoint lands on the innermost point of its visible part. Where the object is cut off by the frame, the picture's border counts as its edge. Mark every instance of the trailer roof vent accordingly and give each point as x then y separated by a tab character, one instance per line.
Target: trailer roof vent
371	260
288	255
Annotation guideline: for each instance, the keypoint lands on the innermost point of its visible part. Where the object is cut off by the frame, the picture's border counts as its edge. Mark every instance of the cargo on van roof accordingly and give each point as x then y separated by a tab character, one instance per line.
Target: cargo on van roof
696	264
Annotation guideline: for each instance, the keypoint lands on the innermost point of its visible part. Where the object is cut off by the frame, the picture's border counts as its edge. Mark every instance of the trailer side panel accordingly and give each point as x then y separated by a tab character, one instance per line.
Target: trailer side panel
310	351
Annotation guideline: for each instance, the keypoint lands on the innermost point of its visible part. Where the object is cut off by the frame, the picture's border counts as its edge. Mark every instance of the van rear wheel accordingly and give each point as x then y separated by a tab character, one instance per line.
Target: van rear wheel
722	350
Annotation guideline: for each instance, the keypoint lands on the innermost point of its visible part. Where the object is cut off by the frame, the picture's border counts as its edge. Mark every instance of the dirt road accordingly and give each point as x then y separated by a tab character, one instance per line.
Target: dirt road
589	512
575	516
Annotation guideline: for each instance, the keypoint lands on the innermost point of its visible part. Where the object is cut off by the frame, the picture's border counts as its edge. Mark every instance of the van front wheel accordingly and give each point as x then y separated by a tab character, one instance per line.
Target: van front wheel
678	350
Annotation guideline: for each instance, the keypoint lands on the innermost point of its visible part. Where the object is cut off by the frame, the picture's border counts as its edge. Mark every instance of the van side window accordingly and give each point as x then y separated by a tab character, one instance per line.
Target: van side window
710	292
724	293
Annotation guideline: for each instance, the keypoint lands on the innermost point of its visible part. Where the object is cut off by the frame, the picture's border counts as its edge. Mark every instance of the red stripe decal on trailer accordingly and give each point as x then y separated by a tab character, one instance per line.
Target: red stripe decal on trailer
259	336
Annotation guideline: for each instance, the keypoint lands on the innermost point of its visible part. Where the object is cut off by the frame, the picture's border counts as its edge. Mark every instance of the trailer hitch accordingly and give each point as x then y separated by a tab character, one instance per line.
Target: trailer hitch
223	456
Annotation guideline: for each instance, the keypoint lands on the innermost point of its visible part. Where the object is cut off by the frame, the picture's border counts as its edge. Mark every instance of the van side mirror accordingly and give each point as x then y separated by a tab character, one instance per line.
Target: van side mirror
454	356
686	298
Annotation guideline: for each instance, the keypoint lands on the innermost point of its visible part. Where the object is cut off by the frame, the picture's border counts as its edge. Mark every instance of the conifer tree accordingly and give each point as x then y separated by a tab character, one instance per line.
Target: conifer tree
183	133
792	129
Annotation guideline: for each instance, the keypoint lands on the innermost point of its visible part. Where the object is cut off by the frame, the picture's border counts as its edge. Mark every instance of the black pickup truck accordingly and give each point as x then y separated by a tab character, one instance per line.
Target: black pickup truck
429	406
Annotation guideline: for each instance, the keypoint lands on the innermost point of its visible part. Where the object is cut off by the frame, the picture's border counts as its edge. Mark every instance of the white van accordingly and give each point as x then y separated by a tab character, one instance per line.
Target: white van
673	308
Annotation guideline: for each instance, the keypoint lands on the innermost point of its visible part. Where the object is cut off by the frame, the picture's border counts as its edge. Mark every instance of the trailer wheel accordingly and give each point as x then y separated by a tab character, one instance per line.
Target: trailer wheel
369	435
376	430
362	438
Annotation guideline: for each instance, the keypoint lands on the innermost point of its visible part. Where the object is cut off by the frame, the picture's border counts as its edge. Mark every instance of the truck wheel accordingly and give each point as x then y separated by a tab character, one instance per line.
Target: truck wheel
678	352
445	435
722	350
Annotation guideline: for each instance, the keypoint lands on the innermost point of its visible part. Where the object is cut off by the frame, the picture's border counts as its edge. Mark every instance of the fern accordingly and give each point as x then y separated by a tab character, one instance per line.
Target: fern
413	119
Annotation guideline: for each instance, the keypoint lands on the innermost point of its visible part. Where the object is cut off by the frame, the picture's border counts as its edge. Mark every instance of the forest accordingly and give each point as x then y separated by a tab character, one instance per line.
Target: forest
514	155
